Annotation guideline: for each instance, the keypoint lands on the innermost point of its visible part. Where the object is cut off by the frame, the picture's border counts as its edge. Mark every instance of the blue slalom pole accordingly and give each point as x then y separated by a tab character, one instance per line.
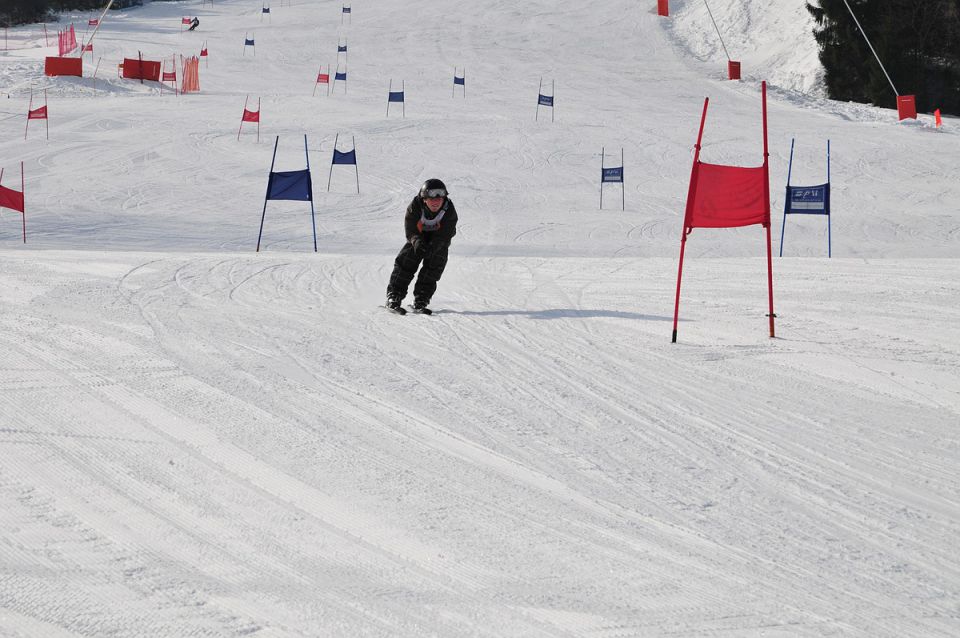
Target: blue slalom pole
786	199
267	195
313	216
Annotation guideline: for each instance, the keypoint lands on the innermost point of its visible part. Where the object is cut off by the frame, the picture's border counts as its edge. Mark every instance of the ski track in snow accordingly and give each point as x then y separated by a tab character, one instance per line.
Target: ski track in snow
199	440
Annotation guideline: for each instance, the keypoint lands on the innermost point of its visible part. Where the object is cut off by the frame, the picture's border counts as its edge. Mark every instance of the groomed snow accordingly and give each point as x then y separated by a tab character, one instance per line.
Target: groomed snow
201	440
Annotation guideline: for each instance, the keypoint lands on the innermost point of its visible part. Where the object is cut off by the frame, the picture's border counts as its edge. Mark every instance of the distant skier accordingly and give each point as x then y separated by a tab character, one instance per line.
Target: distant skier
194	23
430	223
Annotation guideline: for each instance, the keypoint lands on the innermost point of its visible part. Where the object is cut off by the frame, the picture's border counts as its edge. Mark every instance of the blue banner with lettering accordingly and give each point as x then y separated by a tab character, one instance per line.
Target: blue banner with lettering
808	200
546	100
612	174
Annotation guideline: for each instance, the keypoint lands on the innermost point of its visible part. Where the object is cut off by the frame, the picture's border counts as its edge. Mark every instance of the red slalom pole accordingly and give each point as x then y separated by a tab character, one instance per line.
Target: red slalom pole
686	216
766	201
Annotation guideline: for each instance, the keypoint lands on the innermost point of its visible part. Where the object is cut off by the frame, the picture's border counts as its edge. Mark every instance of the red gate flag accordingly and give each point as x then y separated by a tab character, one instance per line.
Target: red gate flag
250	116
727	197
937	118
88	47
324	78
185	21
39	113
663	7
10	198
92	23
14	200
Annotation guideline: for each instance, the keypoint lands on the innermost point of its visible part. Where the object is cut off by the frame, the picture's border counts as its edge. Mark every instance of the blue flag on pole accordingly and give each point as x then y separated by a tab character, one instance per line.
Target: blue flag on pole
395	96
289	185
457	80
340	76
807	200
248	43
546	100
341	49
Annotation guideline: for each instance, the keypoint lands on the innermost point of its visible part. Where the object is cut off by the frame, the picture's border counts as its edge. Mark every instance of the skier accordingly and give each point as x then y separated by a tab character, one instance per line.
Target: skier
194	23
430	224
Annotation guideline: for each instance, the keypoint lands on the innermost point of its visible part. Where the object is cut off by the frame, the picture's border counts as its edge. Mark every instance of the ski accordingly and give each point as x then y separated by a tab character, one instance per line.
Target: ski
420	311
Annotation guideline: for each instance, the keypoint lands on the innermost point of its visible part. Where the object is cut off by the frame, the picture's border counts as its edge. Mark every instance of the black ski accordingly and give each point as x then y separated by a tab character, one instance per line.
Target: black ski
420	311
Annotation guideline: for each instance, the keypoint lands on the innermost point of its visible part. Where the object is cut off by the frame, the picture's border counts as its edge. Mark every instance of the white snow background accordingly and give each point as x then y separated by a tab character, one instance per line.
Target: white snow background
201	440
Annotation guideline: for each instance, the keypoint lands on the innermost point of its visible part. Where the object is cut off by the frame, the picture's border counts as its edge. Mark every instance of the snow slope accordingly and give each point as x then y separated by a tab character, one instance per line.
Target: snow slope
201	440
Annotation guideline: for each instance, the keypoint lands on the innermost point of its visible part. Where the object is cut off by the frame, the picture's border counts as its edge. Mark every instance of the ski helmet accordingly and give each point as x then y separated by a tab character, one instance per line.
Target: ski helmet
433	188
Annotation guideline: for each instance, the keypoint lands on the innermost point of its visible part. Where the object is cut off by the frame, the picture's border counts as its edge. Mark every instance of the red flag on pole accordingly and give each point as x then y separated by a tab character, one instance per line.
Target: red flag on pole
39	113
937	118
250	116
728	197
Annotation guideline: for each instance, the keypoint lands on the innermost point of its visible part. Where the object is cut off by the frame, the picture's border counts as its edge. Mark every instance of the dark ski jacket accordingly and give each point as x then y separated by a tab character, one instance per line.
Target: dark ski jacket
442	235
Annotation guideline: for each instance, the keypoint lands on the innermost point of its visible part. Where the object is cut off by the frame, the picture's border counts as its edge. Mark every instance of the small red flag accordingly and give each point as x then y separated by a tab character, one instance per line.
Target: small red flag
10	198
37	114
251	116
936	116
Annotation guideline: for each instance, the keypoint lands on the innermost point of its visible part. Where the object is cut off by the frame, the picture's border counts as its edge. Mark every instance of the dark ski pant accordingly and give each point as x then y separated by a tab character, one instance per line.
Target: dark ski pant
405	267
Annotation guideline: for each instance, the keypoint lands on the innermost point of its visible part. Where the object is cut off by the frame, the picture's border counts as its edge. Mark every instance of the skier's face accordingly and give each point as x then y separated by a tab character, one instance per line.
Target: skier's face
433	203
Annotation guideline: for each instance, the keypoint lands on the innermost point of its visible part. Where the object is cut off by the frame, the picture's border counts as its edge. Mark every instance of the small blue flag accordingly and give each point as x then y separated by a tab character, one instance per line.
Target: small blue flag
546	100
290	185
350	157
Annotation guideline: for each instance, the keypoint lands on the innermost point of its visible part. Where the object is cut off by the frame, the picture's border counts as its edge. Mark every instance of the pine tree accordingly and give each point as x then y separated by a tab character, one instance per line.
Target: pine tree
917	42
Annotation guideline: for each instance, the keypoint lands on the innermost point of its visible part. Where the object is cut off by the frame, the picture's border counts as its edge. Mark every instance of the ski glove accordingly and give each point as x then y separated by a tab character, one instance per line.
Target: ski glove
419	246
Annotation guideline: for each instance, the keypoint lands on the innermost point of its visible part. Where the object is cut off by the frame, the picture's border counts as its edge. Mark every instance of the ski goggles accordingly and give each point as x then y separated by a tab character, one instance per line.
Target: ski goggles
434	192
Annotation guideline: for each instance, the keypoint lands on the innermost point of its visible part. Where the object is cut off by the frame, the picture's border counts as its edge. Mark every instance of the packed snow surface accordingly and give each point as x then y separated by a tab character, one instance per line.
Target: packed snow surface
198	439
